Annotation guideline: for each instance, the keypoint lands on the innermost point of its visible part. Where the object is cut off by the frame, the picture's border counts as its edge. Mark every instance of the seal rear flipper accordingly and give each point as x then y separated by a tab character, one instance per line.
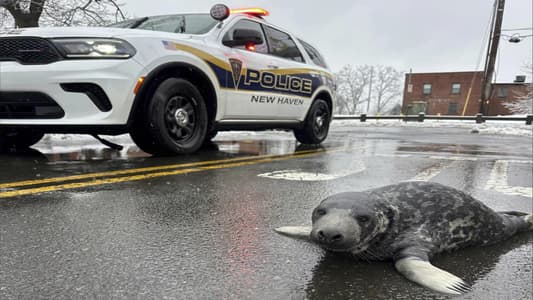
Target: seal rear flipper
427	275
296	232
529	221
518	221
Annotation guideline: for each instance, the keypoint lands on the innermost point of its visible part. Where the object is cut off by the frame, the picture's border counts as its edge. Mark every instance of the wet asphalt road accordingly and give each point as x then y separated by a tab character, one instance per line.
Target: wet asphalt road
204	231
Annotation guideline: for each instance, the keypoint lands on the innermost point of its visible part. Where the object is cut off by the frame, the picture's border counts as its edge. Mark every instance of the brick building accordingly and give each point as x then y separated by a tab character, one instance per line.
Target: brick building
505	92
447	93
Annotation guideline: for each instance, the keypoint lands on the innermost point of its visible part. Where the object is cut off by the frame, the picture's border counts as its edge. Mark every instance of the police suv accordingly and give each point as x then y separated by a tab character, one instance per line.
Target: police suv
172	82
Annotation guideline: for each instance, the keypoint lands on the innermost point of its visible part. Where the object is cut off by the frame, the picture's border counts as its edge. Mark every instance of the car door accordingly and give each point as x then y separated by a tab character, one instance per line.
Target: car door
247	96
295	81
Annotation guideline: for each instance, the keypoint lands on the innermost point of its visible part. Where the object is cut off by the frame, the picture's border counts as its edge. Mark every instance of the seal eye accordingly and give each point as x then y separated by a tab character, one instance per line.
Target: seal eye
363	219
320	211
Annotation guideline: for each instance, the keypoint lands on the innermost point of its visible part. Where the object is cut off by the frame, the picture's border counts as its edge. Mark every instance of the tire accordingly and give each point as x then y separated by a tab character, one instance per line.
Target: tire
142	138
316	125
177	119
19	138
210	136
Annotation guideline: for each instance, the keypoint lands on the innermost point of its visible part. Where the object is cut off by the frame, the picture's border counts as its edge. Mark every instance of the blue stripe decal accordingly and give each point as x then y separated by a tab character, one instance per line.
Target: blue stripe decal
280	83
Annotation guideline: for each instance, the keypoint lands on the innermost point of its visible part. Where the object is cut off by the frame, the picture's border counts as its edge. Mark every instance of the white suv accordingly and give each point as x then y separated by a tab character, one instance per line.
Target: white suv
170	81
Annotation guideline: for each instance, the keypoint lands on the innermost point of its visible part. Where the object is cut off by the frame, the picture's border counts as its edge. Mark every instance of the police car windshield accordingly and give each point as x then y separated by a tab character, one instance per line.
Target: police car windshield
188	24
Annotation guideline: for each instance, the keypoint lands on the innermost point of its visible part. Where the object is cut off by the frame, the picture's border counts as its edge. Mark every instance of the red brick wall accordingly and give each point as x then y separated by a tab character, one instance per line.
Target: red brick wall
438	102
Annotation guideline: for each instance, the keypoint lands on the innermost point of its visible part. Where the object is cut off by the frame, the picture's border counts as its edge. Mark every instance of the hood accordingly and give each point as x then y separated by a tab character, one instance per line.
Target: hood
54	32
94	32
51	32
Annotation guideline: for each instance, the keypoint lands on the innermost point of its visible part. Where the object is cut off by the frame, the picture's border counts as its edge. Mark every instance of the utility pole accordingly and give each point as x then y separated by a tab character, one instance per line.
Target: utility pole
491	57
370	90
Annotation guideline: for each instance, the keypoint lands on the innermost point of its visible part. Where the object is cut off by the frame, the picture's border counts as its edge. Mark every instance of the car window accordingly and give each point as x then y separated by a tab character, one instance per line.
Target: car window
282	45
189	24
248	25
314	54
131	23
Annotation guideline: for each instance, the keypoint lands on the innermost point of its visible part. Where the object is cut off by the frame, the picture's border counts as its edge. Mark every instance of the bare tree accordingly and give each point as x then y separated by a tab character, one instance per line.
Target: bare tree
6	20
377	85
34	13
351	83
386	87
524	101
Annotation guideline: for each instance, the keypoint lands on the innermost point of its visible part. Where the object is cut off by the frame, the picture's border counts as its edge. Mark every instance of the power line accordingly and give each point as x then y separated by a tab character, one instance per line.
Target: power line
480	57
516	34
518	29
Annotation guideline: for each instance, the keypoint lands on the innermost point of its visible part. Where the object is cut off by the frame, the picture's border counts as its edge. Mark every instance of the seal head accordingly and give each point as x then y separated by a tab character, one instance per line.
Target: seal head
343	225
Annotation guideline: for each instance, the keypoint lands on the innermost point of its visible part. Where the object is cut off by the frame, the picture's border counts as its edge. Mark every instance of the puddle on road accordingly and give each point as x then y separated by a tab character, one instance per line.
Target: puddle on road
79	152
459	149
340	277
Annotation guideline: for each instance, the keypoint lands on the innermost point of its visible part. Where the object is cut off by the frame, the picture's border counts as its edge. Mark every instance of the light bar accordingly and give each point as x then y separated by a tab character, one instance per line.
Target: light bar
258	12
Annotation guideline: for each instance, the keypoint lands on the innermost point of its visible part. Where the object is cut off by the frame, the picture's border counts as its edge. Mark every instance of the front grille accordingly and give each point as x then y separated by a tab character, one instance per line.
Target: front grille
28	50
28	105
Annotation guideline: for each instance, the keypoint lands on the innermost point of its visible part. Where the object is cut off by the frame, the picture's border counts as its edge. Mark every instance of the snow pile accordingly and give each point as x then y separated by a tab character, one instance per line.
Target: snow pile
489	127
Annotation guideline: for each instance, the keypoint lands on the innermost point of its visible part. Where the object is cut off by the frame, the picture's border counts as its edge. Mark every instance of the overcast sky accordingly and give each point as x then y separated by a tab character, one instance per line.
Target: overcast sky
425	35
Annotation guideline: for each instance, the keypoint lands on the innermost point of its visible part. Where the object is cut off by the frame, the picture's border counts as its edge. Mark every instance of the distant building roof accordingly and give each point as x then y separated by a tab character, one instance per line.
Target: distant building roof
450	72
511	83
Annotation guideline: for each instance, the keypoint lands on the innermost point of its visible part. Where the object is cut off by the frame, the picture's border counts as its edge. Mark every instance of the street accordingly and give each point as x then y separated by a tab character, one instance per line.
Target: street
79	220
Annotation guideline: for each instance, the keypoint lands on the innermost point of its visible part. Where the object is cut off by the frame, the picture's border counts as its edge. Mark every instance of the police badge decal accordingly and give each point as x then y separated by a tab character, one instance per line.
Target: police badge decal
236	68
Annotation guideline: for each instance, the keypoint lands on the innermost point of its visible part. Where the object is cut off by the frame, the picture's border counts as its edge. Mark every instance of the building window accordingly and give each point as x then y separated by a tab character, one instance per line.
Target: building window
502	92
427	89
456	88
453	109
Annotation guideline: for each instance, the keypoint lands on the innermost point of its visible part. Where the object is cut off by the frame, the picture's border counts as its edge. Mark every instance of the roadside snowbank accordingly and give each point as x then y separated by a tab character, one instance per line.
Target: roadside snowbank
489	127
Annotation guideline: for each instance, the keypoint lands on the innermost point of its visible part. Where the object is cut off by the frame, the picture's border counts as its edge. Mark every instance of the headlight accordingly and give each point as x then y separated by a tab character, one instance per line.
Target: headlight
94	48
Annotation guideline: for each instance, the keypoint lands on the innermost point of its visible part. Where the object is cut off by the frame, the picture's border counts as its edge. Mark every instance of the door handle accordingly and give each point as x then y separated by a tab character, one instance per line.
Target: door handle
272	67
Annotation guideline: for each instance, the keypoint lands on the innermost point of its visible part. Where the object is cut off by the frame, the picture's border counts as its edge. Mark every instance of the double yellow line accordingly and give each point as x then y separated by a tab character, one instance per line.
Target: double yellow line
26	187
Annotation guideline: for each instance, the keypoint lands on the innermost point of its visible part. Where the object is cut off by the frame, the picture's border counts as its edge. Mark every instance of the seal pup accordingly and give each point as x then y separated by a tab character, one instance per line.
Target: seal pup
409	223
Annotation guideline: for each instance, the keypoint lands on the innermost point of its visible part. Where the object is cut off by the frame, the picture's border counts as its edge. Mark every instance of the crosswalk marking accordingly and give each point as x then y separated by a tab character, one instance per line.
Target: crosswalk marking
301	175
430	172
498	181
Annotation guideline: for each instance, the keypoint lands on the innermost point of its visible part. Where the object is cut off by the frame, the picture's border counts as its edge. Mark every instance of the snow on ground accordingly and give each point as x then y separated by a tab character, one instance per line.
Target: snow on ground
489	127
59	141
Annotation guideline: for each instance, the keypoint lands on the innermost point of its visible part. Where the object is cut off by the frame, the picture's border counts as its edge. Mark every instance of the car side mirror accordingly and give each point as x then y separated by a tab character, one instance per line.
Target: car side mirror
245	37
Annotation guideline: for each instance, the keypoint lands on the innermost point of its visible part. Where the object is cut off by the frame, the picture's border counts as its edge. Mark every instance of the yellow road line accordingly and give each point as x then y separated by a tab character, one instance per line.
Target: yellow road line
137	170
75	185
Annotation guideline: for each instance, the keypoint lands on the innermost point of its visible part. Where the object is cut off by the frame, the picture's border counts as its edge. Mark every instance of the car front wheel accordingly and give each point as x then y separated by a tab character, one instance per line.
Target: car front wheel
316	125
177	117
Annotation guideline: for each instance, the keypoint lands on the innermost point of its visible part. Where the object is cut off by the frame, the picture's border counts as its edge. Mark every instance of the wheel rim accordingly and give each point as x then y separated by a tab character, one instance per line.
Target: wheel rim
320	121
181	118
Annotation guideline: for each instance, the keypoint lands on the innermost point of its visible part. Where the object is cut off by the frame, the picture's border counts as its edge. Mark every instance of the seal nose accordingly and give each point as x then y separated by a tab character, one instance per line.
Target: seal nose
330	236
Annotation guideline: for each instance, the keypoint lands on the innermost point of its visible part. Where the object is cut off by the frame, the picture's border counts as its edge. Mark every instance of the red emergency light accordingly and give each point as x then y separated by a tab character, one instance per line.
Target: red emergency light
250	46
257	12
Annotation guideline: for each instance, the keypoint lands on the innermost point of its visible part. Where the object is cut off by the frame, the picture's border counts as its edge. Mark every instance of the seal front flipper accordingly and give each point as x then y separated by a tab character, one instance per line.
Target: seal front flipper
296	232
421	271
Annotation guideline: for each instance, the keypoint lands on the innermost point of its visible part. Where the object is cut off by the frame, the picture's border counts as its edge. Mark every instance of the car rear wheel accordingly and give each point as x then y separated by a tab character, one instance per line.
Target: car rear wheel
19	138
177	119
316	125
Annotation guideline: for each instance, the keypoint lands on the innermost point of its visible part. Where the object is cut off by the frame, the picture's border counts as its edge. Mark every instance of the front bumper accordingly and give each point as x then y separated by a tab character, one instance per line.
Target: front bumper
116	78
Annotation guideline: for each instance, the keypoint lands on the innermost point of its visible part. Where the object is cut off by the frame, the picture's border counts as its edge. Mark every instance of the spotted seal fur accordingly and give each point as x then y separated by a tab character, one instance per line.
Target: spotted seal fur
409	223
